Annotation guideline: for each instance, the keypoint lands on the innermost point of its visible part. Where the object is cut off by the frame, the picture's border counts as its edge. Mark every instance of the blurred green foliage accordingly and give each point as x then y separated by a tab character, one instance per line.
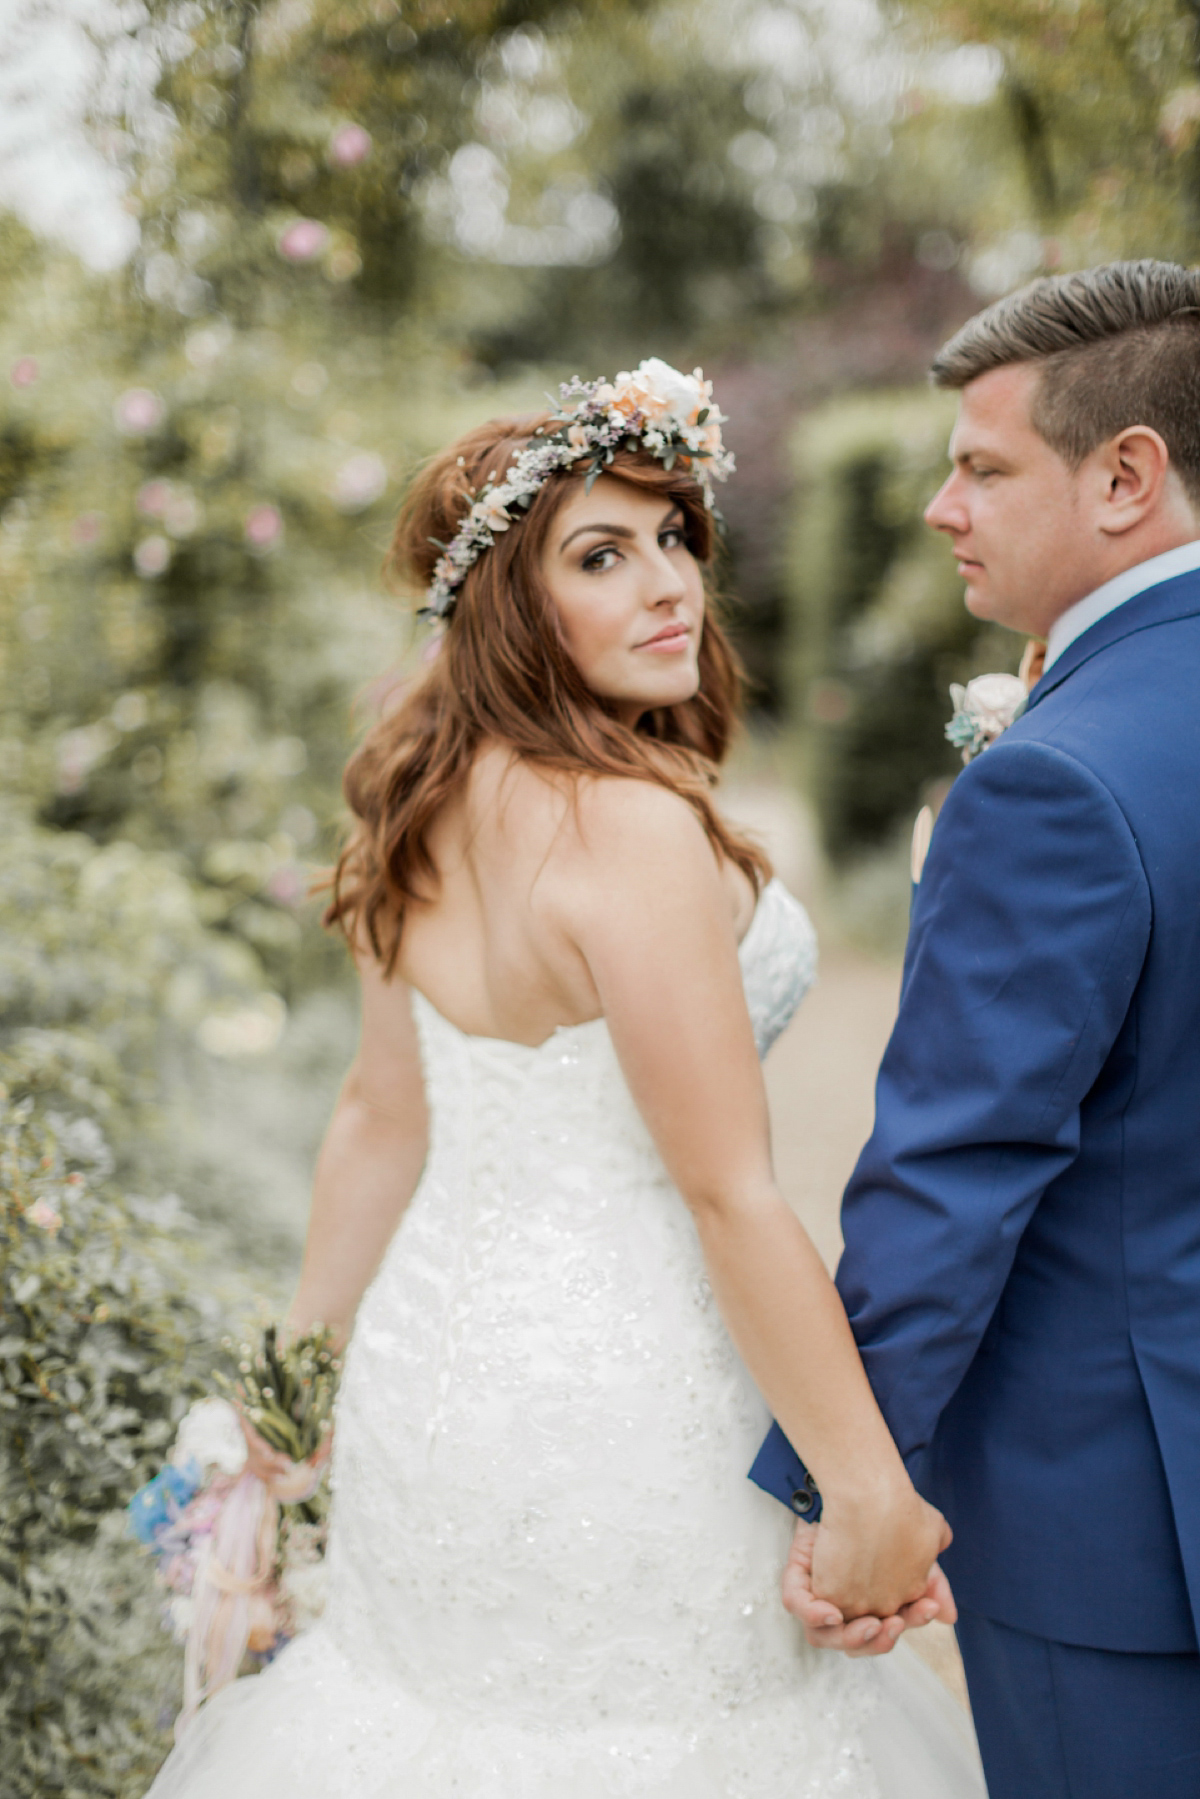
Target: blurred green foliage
111	1304
878	628
102	1347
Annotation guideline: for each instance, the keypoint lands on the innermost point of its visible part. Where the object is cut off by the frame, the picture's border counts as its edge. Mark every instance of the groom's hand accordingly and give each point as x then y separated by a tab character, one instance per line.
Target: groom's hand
824	1625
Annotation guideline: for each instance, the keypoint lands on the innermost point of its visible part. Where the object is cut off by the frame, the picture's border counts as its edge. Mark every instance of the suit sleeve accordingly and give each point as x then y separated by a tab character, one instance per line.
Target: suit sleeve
1029	932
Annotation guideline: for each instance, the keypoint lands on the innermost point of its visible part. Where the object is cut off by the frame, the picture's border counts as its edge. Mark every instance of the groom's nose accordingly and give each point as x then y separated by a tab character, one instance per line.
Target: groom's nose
946	511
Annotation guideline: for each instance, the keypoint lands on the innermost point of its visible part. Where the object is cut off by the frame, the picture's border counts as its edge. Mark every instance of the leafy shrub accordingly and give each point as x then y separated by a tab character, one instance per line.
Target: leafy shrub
109	1313
101	1347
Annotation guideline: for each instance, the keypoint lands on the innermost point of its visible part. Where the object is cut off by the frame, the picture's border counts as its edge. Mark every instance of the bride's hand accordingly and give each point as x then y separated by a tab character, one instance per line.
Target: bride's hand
873	1560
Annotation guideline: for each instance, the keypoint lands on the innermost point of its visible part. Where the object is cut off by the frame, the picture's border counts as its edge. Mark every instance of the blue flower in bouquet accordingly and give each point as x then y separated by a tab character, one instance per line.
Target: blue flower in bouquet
155	1507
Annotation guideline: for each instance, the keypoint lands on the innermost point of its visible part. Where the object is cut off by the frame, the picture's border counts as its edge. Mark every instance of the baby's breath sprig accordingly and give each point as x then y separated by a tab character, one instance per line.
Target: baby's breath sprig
287	1394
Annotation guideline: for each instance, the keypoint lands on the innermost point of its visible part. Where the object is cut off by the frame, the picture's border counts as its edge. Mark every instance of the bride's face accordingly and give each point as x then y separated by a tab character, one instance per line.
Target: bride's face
628	593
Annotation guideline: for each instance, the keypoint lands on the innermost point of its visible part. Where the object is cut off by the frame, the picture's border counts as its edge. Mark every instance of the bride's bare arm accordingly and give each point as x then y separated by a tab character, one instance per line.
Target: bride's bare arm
369	1163
645	904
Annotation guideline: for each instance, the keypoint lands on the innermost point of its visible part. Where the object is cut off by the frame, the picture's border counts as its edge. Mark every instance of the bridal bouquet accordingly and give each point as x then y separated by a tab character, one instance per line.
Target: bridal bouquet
237	1517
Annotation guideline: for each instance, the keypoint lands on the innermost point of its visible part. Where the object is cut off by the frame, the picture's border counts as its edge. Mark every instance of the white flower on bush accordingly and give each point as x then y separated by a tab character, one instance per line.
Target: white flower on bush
77	752
152	556
211	1436
983	709
244	1031
359	482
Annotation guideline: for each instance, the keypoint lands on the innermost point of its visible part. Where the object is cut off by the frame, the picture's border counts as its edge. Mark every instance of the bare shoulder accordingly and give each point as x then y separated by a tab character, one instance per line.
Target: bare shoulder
632	841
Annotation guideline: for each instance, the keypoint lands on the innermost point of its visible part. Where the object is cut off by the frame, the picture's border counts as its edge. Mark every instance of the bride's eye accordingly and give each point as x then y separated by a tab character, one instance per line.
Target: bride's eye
673	538
596	561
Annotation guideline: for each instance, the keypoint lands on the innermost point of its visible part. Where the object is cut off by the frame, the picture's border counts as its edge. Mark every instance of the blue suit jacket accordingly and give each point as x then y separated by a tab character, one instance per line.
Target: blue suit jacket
1022	1261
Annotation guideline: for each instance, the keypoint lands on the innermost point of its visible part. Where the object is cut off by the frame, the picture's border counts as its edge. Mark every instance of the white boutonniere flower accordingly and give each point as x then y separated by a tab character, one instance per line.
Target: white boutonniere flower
983	711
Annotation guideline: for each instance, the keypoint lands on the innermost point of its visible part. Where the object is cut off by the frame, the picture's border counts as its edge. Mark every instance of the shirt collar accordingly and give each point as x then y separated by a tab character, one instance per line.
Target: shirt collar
1097	605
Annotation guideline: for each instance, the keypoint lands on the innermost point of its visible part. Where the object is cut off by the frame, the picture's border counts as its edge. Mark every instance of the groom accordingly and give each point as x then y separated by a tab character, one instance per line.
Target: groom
1022	1261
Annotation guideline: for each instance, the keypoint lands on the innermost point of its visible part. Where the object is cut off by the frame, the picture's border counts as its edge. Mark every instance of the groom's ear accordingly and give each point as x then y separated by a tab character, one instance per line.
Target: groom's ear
1131	473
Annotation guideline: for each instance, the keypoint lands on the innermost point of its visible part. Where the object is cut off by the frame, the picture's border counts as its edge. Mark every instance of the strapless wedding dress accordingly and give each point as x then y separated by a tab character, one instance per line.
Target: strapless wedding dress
549	1577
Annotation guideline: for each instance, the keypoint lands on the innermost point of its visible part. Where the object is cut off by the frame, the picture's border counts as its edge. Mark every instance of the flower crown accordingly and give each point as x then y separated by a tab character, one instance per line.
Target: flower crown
655	408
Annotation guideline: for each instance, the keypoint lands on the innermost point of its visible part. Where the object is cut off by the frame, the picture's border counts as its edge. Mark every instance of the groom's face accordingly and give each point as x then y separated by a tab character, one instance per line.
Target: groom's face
1012	508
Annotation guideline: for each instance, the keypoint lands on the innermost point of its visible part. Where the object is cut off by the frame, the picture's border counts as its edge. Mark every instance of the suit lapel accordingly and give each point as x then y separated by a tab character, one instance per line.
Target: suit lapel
1177	598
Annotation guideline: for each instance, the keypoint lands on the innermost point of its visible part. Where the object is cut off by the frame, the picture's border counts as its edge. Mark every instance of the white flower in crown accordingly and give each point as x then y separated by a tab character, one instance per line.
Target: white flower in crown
983	710
655	407
661	393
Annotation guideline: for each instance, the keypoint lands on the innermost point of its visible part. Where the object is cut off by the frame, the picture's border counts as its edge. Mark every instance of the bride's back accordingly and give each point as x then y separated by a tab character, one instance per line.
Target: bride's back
492	949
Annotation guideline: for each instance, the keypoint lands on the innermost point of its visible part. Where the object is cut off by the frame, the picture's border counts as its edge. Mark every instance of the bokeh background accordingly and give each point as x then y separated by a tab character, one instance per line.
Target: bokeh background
256	260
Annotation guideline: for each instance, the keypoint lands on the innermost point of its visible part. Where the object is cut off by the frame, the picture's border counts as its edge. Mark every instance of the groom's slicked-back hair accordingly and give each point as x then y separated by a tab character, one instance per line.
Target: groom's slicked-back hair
1117	345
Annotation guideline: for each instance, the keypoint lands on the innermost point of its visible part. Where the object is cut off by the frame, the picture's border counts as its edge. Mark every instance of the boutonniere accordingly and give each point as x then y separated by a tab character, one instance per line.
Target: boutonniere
983	710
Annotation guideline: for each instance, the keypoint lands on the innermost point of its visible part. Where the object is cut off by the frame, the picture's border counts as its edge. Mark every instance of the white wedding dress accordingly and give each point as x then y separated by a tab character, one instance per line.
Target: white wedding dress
549	1575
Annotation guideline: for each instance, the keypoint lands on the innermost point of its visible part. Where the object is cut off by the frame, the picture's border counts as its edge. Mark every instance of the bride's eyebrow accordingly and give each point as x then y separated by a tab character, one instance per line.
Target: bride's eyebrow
603	530
674	516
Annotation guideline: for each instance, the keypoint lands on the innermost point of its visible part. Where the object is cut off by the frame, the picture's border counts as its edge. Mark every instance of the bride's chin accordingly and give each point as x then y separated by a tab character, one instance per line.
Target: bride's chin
684	686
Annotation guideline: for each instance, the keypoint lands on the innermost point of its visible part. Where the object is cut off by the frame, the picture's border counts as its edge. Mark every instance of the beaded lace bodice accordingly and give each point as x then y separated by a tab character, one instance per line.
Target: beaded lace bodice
549	1575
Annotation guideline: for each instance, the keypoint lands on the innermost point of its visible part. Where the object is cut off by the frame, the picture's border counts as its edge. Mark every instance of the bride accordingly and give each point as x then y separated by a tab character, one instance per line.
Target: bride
545	1203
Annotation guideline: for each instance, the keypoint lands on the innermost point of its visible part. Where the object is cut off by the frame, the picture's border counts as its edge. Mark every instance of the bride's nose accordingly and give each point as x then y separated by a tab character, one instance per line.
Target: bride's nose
664	584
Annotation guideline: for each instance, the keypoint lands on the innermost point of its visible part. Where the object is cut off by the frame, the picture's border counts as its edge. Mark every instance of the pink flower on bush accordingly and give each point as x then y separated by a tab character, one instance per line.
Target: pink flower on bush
349	144
138	411
287	885
24	371
86	529
153	497
264	527
303	240
44	1216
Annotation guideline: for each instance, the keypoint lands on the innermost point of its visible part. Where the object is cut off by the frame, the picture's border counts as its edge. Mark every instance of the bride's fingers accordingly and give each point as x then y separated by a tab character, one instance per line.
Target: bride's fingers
881	1643
861	1638
801	1601
798	1596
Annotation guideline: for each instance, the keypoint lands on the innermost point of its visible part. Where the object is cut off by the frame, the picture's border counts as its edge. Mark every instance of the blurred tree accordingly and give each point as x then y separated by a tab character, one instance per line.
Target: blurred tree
1096	109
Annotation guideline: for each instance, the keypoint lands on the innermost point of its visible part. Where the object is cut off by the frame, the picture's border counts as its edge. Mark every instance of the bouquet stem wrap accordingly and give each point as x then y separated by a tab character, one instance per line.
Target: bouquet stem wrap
233	1592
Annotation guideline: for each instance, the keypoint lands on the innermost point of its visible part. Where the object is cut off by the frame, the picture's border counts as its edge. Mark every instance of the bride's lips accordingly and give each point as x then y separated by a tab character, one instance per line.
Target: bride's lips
671	637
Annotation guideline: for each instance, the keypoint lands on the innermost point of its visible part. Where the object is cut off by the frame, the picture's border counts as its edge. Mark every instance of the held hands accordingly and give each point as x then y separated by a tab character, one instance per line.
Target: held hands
858	1588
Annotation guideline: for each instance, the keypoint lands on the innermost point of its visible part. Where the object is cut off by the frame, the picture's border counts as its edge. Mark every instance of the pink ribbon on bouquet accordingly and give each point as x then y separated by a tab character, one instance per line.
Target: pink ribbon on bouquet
233	1593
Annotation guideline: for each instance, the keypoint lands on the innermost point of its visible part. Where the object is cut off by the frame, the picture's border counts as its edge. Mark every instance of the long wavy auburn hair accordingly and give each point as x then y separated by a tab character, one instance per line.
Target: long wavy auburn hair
502	672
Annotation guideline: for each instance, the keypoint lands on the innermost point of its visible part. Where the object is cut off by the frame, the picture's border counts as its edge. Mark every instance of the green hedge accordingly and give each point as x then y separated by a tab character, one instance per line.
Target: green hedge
877	624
